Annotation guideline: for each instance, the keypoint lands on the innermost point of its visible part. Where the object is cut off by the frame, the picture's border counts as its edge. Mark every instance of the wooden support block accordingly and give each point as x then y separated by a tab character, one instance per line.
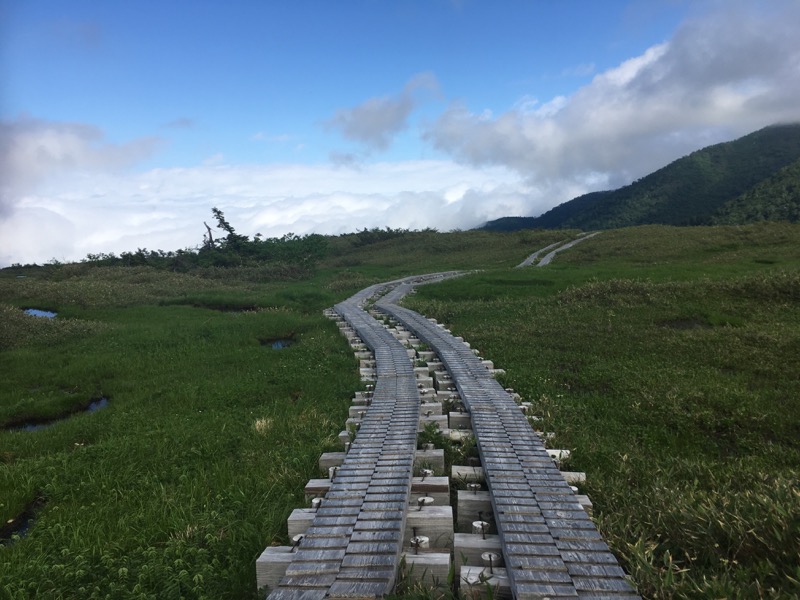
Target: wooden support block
428	404
356	410
331	459
459	420
446	395
469	505
468	547
424	382
421	372
440	377
459	436
573	477
440	420
428	568
558	455
344	437
467	474
316	488
430	459
435	365
434	522
475	582
488	364
426	355
443	384
585	503
427	395
271	566
437	488
299	521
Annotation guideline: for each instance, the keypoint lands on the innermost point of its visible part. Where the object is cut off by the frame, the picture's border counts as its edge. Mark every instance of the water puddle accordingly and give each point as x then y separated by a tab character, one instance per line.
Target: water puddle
37	424
18	527
277	343
35	312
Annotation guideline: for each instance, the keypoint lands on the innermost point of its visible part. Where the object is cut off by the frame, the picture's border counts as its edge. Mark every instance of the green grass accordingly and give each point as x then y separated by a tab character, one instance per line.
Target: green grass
665	358
209	437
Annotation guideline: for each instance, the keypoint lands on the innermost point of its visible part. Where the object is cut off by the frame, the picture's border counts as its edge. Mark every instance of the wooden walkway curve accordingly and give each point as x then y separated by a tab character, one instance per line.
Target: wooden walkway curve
353	547
550	546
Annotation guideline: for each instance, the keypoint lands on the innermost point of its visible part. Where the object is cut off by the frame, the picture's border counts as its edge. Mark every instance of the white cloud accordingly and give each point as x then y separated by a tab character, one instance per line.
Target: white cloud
32	150
722	75
165	208
375	121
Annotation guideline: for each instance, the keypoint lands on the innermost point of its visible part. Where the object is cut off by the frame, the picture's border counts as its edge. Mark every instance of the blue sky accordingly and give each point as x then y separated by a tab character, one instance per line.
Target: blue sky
123	123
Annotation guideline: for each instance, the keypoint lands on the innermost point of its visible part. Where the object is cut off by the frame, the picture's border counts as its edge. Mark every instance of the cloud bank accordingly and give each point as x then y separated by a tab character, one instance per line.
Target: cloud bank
34	150
165	208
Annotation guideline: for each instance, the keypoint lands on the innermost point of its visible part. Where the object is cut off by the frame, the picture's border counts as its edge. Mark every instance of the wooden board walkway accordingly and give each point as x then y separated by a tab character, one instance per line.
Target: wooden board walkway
353	547
550	546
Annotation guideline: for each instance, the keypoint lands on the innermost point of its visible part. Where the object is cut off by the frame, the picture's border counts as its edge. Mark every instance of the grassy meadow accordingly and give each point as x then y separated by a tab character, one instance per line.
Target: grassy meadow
209	435
667	359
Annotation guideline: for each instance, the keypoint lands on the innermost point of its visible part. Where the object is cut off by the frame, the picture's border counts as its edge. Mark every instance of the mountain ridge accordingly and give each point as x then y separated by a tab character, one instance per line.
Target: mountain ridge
732	182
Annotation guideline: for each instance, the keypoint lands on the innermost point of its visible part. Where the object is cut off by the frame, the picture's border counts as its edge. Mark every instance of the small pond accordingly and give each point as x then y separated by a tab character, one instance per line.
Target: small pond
21	524
277	343
35	312
93	406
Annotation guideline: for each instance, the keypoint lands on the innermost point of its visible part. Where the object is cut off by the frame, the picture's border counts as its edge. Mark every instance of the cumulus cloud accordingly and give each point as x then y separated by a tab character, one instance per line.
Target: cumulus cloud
165	208
374	122
721	75
33	149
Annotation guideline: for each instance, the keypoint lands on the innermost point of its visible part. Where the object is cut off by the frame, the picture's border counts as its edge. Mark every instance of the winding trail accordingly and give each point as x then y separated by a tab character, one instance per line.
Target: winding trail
353	548
554	249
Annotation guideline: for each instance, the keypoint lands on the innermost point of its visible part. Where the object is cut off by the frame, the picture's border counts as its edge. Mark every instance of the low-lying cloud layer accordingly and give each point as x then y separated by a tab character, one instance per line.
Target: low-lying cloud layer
65	190
165	208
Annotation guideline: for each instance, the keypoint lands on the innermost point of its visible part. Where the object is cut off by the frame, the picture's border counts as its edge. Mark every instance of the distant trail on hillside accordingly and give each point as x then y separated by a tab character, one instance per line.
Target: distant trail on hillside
549	257
529	261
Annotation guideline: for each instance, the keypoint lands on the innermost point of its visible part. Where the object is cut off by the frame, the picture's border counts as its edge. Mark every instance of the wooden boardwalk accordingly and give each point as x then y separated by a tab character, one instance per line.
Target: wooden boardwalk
352	549
551	548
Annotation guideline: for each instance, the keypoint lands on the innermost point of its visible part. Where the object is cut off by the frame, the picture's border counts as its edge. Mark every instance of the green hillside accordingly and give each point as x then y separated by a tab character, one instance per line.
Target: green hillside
692	190
775	199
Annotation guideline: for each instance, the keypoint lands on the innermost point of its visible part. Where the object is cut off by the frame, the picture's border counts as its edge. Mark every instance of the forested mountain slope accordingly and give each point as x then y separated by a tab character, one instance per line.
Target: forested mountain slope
710	185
